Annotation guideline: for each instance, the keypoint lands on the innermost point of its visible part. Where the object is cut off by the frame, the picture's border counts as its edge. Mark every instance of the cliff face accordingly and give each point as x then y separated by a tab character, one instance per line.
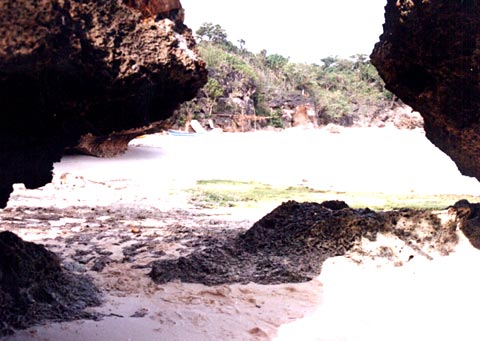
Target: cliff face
70	68
429	56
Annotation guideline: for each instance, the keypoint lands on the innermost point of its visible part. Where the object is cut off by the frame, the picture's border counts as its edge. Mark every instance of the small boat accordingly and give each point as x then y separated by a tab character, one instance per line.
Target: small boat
181	133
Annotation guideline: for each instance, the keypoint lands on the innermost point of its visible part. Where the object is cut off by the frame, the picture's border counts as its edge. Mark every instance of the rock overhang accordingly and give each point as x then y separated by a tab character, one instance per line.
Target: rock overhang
429	56
73	68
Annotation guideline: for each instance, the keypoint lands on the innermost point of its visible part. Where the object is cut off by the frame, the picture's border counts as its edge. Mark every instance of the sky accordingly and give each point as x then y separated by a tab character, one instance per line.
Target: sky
304	30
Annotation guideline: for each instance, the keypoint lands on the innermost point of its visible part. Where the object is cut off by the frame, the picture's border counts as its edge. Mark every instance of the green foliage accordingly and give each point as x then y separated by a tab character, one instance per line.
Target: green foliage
213	55
328	61
211	32
334	103
335	85
229	193
220	59
275	61
213	88
239	64
276	119
260	104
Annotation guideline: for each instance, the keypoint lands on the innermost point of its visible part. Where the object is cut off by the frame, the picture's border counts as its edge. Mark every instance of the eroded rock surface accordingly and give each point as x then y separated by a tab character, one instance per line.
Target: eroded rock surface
35	288
117	245
291	243
429	56
71	68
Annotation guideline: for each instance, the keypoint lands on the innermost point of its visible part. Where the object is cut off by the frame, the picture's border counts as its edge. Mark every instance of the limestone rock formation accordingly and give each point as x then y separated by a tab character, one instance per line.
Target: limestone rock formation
297	109
429	56
233	105
69	68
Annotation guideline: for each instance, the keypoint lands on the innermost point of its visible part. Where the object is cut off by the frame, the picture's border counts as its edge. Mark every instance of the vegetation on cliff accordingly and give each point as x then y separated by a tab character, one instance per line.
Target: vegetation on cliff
247	90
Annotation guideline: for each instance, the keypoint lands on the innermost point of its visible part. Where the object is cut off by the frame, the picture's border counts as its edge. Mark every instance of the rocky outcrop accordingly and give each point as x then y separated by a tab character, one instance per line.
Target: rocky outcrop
228	104
155	8
399	115
429	56
291	243
235	108
117	142
34	287
296	109
70	68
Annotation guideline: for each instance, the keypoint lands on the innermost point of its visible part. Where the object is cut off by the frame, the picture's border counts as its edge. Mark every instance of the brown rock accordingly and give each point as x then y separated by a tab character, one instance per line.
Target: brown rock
429	56
152	8
73	68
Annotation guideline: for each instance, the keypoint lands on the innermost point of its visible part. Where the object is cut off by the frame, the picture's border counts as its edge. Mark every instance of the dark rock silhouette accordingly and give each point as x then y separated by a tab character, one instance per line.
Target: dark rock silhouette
428	56
72	68
291	243
34	287
96	72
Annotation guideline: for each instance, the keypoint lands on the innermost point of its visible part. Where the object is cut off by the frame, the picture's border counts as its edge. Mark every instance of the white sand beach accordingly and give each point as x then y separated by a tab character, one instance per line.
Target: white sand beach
424	299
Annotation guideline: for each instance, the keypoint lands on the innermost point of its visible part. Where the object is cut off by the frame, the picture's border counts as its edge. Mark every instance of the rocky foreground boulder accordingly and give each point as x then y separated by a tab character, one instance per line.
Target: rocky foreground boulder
34	287
72	68
291	243
429	56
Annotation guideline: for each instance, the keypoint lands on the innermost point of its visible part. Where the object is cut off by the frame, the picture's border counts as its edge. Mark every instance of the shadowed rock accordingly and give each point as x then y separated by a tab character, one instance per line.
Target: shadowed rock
291	243
34	287
72	68
429	57
469	215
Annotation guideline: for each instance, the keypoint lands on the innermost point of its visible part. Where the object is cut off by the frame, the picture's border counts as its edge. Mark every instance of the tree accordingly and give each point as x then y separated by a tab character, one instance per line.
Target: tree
276	61
189	107
241	43
329	61
335	85
301	76
213	89
211	32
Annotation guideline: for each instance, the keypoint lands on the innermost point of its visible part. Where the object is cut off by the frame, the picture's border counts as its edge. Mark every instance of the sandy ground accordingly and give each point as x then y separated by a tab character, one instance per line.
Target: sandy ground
422	300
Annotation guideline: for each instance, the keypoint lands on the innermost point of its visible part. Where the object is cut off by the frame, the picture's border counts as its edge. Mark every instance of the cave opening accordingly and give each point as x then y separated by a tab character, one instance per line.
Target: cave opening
264	230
